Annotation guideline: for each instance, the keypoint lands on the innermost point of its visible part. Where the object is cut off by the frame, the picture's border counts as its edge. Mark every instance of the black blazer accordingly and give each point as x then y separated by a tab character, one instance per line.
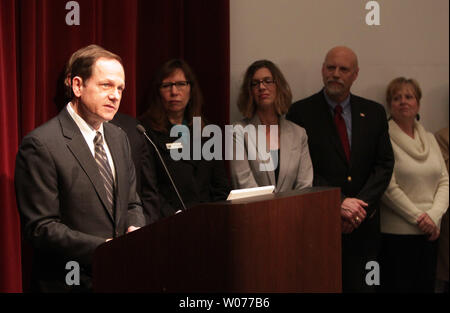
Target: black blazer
62	199
137	142
371	163
144	165
196	180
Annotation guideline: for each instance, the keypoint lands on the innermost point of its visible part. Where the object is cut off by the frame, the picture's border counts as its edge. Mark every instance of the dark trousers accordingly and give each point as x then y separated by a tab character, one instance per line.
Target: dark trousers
356	255
407	263
354	274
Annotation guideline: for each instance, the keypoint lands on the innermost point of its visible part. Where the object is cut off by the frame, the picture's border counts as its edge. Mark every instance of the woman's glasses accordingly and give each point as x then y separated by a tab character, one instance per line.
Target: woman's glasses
267	82
181	85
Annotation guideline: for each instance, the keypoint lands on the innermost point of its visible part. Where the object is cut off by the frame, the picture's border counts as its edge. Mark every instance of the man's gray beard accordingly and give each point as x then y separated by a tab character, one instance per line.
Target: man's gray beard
334	91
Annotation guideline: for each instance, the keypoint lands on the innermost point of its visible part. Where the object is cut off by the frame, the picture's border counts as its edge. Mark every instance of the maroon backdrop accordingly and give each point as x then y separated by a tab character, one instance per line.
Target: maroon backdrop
36	42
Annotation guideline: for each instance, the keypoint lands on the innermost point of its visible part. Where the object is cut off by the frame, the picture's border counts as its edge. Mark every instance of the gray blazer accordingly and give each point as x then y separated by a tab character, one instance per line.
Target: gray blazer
62	199
296	171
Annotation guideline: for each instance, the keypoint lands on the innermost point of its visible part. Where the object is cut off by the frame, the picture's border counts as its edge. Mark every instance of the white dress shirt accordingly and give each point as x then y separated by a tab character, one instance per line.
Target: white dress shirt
89	133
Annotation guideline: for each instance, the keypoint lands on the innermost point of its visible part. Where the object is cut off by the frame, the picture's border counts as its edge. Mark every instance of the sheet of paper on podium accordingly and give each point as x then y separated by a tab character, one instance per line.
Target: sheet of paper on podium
250	192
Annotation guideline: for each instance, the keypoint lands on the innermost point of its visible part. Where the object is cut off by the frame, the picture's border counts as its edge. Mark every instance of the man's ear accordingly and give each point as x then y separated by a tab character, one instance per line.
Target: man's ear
356	73
77	86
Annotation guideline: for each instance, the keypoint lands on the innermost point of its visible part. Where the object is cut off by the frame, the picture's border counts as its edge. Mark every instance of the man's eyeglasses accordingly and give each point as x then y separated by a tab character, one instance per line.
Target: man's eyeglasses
181	85
267	82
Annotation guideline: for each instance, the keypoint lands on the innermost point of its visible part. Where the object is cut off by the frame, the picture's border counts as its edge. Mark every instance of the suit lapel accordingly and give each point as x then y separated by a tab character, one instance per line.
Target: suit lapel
357	125
286	139
79	148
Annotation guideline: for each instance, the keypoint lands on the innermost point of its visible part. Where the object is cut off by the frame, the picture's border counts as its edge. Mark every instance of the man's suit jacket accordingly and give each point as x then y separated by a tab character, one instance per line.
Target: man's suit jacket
371	163
295	167
62	199
196	180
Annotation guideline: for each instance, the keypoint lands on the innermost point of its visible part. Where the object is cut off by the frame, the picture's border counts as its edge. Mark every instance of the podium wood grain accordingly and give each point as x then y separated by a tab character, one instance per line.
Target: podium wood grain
289	242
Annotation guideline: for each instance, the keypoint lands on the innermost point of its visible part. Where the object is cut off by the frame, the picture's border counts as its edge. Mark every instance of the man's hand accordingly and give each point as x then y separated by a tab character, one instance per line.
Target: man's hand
347	227
129	230
132	228
352	210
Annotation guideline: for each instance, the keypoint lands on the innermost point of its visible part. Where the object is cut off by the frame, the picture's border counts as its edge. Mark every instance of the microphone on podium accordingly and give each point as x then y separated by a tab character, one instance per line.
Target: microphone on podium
142	130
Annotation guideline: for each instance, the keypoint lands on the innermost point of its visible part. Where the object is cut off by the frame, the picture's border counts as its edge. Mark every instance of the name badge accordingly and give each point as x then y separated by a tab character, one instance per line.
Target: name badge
174	145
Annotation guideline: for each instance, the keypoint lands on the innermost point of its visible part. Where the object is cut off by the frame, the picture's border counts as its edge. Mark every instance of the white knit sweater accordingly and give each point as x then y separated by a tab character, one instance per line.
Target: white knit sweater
419	182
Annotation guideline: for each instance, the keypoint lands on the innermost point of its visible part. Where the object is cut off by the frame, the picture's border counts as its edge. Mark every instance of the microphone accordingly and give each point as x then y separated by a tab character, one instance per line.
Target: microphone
141	129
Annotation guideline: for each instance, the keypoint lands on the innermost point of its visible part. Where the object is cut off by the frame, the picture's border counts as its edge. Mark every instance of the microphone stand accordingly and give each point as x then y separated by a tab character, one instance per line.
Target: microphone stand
142	130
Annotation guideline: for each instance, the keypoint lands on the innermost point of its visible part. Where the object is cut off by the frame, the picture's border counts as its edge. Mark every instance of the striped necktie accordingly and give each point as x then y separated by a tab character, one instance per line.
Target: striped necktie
105	169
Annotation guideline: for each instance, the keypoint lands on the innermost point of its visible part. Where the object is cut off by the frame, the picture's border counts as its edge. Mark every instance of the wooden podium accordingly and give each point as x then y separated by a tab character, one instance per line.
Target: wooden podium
287	242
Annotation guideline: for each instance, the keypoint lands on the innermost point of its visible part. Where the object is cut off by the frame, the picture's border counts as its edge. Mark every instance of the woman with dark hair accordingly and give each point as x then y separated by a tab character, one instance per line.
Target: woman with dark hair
416	198
175	96
277	153
175	100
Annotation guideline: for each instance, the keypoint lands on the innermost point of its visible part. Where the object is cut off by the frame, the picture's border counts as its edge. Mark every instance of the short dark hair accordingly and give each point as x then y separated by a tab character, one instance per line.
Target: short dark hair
81	62
283	99
156	115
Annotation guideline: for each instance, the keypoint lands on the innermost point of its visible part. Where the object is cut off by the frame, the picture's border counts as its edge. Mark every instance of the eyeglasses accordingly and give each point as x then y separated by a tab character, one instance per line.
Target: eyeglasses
267	82
181	85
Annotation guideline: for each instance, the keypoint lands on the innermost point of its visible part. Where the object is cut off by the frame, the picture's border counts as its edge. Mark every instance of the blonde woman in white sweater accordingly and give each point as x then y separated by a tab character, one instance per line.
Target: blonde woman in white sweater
416	198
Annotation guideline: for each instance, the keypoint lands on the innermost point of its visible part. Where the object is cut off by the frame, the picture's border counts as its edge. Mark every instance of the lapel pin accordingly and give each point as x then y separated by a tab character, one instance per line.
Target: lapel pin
362	114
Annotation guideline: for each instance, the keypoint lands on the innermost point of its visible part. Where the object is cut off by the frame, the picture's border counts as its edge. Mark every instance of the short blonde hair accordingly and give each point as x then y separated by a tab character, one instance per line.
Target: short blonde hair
396	84
283	99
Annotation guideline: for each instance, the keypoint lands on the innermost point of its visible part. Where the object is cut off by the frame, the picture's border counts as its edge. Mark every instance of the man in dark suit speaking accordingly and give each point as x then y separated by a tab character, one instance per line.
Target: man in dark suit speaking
75	180
350	148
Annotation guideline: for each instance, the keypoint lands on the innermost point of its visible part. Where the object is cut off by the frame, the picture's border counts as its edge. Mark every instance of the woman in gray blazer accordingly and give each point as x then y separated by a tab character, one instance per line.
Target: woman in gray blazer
269	150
